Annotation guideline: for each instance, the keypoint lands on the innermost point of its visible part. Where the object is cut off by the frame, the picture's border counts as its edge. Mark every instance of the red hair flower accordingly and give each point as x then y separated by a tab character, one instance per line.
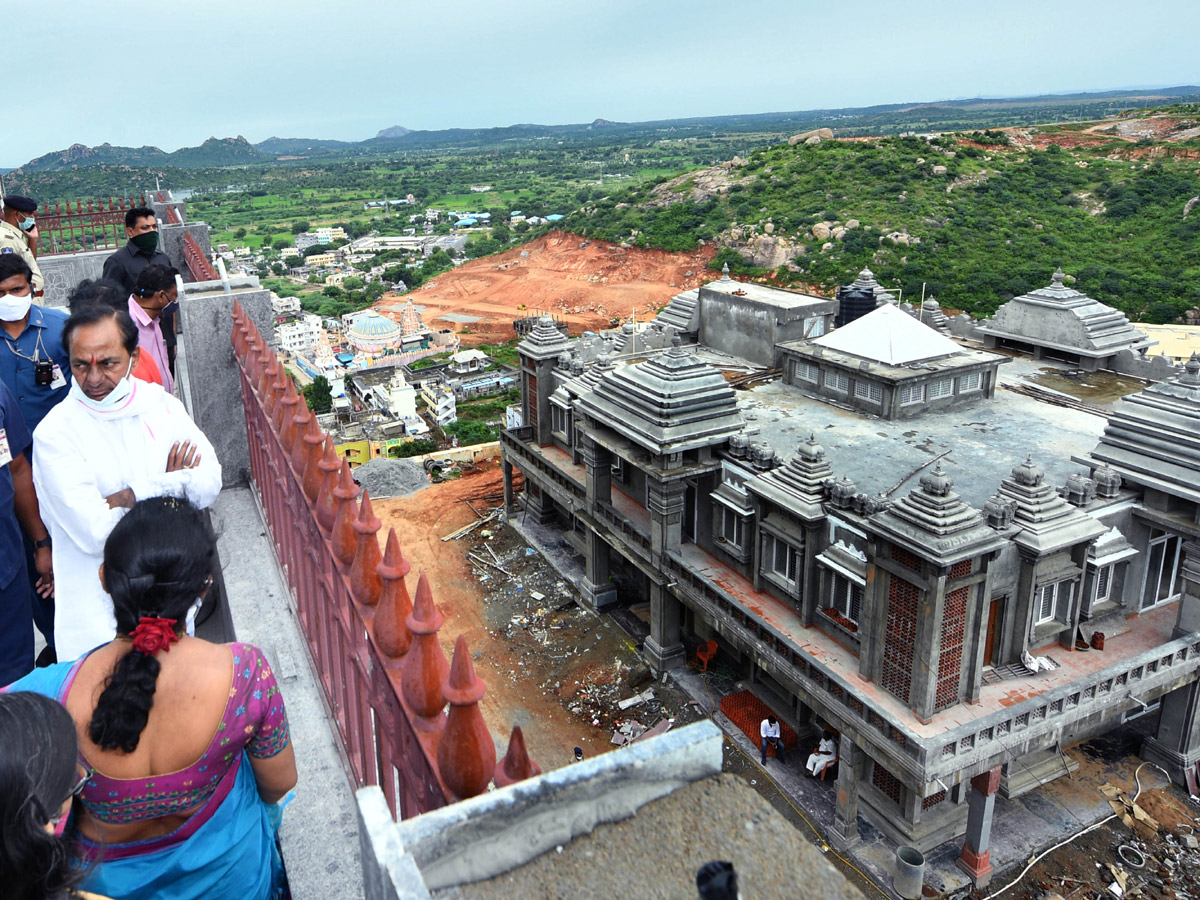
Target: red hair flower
152	635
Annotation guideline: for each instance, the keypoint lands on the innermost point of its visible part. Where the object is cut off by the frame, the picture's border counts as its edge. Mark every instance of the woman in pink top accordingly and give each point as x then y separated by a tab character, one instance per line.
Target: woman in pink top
186	742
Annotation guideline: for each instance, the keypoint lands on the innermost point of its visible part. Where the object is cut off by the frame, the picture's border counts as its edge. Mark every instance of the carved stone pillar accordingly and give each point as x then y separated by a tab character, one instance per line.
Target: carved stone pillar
597	589
844	833
663	648
981	804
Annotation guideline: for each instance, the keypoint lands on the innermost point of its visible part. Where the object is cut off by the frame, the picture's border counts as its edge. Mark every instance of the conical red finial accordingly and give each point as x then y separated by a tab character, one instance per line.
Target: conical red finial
466	754
314	440
326	501
286	413
425	666
345	540
516	765
300	419
238	335
270	369
391	630
278	389
365	583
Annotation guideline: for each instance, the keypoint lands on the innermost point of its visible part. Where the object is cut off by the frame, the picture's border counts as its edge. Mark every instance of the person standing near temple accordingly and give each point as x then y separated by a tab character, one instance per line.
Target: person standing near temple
19	234
114	440
33	364
18	512
143	249
156	290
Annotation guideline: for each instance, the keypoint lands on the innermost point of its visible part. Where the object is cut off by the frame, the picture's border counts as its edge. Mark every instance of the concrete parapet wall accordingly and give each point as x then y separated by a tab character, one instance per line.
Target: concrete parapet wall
496	832
63	271
963	326
172	242
1151	368
208	373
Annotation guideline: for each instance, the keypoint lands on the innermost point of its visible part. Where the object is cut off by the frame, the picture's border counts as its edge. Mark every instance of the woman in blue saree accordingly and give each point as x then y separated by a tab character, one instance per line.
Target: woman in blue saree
186	742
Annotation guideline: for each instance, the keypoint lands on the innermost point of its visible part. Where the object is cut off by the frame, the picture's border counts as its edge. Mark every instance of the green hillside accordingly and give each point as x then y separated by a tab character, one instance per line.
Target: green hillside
994	224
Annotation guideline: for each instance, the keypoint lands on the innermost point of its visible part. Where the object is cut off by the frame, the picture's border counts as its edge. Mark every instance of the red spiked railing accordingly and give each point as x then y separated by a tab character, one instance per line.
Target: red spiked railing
196	261
94	224
376	652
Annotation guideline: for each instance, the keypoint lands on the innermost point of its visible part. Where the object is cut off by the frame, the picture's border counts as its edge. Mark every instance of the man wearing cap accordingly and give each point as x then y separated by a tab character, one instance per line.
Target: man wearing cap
34	367
19	234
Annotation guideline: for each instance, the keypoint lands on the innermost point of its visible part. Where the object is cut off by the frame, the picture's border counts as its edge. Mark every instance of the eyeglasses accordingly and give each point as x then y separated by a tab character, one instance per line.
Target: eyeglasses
60	822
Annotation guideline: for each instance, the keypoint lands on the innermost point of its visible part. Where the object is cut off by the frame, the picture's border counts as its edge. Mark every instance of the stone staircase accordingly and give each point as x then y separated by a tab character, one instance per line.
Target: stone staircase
683	314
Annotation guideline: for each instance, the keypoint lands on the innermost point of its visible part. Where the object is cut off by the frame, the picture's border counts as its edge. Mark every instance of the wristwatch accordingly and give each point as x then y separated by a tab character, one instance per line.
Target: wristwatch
44	542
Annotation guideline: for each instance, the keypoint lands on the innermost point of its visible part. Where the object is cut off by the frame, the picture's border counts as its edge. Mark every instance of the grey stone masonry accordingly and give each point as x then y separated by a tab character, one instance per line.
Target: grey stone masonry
671	403
1153	438
1062	319
207	372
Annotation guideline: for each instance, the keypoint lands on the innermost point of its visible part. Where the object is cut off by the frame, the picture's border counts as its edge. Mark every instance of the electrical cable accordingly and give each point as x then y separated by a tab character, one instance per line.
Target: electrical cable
1137	780
820	837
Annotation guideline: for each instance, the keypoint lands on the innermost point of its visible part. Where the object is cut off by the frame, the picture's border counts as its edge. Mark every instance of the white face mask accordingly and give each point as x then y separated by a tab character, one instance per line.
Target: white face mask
14	308
118	395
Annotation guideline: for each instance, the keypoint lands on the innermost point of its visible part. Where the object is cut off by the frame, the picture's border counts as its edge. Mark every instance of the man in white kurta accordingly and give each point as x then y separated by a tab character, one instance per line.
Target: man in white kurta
93	458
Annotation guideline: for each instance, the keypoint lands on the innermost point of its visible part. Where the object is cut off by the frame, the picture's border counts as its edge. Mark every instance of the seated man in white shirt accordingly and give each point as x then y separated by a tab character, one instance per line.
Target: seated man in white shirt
825	754
113	441
769	729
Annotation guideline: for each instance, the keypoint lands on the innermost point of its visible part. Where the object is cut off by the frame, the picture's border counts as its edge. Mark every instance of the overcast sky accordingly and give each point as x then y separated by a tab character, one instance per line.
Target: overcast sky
174	72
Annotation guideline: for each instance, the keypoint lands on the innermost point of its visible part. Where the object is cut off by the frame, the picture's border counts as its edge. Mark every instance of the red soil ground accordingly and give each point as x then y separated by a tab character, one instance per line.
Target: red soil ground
586	286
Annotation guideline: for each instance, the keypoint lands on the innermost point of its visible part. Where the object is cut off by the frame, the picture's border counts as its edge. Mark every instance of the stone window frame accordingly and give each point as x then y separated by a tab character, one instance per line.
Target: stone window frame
808	372
911	394
971	382
740	522
1104	577
940	388
770	544
1058	607
1165	538
842	596
836	381
870	391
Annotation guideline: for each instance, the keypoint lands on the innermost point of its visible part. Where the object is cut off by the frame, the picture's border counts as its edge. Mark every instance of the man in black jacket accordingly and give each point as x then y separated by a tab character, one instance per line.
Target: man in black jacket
126	264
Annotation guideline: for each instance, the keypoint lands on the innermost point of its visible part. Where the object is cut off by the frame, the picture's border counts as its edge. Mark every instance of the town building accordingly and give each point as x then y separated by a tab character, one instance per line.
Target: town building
897	582
299	334
369	332
439	401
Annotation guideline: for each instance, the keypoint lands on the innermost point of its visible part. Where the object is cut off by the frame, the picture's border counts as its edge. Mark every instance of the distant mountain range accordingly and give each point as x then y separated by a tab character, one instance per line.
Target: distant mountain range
220	152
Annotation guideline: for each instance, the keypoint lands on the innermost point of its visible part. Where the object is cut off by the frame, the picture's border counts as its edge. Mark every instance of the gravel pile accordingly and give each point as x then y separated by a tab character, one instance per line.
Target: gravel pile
391	477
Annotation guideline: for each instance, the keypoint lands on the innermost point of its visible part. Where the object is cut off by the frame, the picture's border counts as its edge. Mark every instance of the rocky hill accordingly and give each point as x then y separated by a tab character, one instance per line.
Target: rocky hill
212	153
972	218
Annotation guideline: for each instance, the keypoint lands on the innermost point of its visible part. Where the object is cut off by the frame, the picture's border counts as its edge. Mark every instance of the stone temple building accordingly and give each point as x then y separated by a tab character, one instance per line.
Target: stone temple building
861	582
1060	321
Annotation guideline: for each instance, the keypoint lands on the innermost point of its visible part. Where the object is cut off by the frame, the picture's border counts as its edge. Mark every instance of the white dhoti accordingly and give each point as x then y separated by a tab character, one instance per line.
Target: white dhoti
818	761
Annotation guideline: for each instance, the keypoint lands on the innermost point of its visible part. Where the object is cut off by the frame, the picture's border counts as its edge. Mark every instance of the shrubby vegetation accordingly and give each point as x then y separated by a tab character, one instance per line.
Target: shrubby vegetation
996	224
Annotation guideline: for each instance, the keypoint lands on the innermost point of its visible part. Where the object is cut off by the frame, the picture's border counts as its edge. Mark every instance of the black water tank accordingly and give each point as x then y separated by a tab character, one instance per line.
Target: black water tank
853	303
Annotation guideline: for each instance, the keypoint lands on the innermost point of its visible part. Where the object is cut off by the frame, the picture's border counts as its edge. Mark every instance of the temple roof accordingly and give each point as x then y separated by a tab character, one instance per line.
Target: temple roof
544	341
1153	437
667	404
1047	522
866	282
935	523
889	336
1061	317
799	484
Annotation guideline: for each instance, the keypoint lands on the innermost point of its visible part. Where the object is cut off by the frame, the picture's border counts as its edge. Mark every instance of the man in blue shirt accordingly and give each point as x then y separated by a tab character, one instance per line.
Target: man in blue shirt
34	366
33	363
18	508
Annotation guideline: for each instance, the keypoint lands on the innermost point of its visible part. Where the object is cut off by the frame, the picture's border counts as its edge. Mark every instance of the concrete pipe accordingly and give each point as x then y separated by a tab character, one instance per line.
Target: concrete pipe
910	873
